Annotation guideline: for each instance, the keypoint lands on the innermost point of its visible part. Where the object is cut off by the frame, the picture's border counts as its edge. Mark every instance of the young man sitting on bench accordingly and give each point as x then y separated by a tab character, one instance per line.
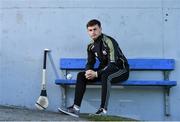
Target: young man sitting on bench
113	67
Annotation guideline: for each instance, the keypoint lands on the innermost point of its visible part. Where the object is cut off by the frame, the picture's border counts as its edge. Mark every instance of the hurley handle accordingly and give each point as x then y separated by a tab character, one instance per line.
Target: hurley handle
45	57
44	68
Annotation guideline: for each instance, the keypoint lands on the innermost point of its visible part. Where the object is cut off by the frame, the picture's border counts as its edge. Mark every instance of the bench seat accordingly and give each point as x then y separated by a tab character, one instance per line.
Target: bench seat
125	83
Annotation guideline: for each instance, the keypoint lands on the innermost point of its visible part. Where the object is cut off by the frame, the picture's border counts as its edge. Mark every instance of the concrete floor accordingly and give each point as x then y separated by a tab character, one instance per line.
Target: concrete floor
11	113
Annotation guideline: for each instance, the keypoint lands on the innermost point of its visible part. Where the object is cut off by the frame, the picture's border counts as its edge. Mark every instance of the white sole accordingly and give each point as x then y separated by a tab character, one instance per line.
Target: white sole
65	112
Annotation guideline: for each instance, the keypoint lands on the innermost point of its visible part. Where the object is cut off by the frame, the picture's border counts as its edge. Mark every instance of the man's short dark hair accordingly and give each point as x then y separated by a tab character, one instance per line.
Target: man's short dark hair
93	22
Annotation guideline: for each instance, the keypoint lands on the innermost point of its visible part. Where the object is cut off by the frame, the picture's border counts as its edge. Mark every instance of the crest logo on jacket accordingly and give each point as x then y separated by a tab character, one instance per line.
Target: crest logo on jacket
104	52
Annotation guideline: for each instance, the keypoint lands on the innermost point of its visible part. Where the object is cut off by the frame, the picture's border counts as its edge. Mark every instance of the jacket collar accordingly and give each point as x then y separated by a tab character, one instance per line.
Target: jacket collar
99	38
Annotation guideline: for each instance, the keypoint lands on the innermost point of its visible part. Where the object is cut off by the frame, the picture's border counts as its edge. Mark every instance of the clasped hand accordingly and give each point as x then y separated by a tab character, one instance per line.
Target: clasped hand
90	74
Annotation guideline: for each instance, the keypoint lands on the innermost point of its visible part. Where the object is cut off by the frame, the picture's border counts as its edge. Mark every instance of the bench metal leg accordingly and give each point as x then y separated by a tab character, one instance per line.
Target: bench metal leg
166	101
63	92
63	96
166	95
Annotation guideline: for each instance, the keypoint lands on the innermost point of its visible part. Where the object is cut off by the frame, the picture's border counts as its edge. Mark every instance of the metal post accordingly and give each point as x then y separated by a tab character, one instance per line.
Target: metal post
63	96
166	95
63	93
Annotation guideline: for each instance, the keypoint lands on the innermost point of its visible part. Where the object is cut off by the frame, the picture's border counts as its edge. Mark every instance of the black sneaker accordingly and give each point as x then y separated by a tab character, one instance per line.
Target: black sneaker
70	111
70	108
101	111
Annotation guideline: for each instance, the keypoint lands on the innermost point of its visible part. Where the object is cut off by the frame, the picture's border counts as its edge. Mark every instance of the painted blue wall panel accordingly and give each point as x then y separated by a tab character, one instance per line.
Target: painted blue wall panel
143	29
48	4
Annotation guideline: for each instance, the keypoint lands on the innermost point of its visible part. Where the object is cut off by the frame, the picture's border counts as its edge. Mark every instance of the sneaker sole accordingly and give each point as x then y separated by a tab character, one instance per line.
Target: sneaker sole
68	113
97	114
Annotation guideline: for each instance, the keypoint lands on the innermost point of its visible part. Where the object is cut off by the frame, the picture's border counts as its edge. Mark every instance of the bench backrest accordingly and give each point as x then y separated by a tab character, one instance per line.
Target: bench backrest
135	64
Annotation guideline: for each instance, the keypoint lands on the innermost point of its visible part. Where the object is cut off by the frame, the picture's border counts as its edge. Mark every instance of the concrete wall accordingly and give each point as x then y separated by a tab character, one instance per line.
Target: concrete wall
143	28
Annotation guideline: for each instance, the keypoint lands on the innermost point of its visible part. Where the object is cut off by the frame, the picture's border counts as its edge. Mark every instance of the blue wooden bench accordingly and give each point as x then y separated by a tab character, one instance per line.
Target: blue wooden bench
164	65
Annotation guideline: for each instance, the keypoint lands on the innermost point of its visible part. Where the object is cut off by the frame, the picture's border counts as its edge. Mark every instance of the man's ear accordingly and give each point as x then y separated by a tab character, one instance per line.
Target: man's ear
101	29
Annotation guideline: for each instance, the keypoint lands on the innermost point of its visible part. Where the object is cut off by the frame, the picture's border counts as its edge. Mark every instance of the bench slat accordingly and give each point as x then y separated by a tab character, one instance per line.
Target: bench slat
125	83
135	64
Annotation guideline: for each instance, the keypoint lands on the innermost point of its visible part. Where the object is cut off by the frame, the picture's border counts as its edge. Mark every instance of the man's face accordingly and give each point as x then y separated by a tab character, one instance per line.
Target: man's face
94	31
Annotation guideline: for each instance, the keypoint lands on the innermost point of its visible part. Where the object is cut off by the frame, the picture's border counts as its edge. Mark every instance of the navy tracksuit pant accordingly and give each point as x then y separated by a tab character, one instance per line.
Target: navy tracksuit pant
112	74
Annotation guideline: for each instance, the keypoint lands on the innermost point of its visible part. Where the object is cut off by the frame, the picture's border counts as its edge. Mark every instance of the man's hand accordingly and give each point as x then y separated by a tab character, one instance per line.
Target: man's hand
90	74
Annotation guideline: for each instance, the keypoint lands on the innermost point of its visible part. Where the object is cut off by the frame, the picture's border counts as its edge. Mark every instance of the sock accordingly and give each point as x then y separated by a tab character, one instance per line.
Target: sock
104	111
77	108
